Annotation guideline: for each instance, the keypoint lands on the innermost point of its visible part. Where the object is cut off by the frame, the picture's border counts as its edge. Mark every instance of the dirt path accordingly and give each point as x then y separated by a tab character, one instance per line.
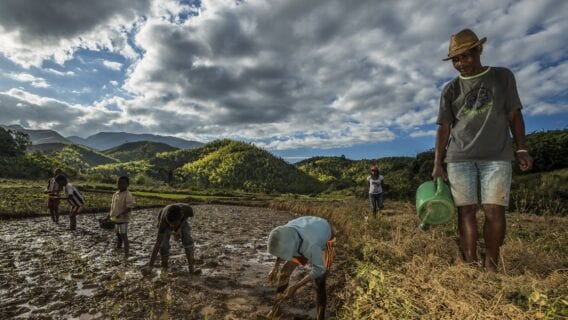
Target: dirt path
49	272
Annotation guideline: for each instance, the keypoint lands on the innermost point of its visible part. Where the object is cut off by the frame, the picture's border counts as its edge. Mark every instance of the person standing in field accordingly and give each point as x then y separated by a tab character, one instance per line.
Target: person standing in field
120	213
375	181
74	197
477	111
174	218
53	193
303	240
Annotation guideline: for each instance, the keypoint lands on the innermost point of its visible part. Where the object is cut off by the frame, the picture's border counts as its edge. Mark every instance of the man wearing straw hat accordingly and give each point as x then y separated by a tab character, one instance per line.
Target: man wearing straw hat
477	111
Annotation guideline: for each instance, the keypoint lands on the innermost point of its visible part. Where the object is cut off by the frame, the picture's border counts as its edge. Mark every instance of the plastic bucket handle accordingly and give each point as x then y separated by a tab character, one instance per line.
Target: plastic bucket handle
439	186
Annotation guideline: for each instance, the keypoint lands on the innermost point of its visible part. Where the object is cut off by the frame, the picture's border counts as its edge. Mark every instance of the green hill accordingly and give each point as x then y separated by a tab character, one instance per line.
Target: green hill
76	156
340	173
221	164
140	150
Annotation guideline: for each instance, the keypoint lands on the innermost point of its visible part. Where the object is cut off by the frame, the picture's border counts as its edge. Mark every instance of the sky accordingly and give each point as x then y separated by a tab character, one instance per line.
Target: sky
298	78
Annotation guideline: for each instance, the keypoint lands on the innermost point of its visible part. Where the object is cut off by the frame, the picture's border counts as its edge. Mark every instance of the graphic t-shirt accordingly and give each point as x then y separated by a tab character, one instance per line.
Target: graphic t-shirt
476	108
375	185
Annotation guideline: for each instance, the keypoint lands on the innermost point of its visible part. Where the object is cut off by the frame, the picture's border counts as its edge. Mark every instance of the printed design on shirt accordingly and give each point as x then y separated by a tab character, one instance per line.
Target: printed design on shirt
477	101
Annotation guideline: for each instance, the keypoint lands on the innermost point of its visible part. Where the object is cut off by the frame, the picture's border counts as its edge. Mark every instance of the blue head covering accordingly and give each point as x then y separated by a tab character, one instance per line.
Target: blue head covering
284	242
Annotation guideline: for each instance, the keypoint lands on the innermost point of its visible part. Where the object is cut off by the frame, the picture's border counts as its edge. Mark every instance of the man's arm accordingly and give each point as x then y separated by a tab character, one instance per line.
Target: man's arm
442	138
315	256
155	250
274	272
289	293
517	126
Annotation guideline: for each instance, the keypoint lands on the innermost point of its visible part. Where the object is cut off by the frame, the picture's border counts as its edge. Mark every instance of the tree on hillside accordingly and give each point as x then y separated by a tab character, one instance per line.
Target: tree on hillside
549	150
13	143
422	165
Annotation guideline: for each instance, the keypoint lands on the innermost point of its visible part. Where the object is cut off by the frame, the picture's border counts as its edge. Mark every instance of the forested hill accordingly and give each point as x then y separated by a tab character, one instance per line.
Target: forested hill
139	150
223	164
77	156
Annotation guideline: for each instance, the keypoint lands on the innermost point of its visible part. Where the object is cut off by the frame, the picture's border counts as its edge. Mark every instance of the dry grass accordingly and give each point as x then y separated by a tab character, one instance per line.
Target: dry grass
400	272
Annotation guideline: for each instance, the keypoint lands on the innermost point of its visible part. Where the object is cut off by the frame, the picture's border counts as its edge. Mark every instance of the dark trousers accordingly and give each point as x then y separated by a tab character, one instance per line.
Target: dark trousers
376	200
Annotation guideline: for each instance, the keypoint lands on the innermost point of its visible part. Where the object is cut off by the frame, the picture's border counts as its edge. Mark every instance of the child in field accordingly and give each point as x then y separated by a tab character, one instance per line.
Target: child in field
53	191
375	181
172	218
76	200
120	213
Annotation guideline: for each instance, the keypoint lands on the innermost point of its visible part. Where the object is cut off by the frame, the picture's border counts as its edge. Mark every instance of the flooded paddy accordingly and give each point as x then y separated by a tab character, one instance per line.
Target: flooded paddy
49	272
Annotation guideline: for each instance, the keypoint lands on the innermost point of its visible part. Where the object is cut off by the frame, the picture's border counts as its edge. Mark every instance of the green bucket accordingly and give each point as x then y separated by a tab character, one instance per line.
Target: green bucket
434	204
106	224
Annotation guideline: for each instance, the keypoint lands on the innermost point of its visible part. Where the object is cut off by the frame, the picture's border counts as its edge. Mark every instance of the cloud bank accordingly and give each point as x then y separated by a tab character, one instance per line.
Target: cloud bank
285	74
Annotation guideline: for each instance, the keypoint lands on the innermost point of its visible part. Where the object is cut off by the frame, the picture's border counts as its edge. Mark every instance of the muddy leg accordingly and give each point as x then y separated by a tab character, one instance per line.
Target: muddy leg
188	245
165	259
72	220
56	215
165	249
126	245
189	253
282	284
493	233
321	296
467	224
118	241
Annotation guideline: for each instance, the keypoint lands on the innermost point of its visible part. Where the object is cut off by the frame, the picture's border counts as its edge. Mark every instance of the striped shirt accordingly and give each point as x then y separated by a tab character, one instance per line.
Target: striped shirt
74	196
53	187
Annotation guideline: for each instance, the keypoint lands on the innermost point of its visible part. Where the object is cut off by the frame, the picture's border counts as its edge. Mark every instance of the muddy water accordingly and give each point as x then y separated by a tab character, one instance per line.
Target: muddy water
49	272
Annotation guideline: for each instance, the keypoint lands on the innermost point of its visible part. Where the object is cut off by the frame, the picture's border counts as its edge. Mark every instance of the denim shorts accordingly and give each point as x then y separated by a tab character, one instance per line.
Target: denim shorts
491	178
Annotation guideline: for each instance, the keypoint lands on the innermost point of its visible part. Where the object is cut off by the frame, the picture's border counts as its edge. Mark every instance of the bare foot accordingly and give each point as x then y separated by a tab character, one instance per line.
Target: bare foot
490	265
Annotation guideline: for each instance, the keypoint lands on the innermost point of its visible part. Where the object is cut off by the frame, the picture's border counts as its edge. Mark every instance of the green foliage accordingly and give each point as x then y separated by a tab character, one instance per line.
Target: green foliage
141	150
542	193
31	166
13	143
81	157
549	150
236	165
339	173
423	165
72	158
31	200
110	172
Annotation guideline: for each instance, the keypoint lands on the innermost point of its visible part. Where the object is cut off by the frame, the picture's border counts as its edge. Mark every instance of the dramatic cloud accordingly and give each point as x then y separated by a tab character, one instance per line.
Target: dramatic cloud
31	31
285	74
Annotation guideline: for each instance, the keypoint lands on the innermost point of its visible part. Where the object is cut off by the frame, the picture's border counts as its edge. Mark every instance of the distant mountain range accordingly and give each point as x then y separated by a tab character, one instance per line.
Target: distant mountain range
140	150
108	140
39	136
102	140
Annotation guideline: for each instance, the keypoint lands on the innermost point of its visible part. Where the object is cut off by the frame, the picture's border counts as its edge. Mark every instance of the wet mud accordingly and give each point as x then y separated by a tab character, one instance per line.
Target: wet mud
49	272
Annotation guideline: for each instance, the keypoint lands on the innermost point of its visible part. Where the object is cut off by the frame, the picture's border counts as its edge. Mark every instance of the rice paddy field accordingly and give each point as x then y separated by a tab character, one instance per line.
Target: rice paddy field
386	267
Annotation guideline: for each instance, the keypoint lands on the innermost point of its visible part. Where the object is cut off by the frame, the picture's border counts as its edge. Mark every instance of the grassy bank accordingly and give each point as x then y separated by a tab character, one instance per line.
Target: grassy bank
26	198
399	272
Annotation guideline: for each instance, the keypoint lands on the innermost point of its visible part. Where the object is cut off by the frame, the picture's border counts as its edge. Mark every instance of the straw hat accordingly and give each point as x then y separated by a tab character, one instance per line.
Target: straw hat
463	41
